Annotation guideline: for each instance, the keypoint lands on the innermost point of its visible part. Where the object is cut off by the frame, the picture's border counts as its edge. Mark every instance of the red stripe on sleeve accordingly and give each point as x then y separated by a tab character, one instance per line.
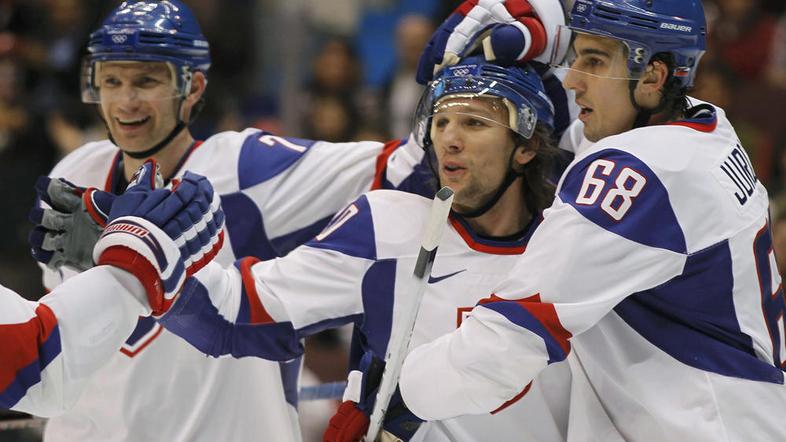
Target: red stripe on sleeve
257	312
514	400
545	313
19	343
382	162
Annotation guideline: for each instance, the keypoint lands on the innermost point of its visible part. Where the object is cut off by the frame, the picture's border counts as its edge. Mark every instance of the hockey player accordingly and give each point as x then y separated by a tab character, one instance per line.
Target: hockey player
487	130
655	263
277	192
51	348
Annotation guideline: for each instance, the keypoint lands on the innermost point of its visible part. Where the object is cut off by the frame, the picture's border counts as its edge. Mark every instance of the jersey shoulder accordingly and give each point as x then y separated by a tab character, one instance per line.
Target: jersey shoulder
668	186
381	224
88	165
399	219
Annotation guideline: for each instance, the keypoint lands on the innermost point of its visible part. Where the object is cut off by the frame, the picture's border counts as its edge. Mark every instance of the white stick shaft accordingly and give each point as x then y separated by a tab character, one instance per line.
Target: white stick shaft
402	332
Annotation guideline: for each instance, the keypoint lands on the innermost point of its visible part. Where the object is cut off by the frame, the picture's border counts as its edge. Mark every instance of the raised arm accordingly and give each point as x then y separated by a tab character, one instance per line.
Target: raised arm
263	308
590	252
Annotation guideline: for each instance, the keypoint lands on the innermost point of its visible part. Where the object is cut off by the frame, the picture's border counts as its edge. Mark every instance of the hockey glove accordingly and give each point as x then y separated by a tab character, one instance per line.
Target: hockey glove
66	232
350	423
162	236
508	31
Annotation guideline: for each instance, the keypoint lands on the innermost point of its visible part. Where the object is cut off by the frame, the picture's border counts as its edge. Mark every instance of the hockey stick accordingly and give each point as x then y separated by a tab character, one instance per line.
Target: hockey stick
401	334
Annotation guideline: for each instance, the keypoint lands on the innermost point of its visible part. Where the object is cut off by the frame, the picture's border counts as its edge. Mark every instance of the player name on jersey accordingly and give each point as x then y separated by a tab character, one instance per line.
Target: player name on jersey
737	166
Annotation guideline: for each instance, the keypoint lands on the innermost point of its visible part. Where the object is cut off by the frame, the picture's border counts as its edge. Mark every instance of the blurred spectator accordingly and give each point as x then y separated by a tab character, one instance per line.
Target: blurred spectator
330	105
401	93
331	118
743	36
25	153
776	69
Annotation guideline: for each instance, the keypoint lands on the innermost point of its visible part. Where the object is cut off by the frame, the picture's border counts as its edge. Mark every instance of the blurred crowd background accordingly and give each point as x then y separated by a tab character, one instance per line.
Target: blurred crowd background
335	70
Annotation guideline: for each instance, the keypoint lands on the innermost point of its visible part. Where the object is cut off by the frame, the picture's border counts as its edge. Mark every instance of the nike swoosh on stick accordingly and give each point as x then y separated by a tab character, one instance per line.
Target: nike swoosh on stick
436	279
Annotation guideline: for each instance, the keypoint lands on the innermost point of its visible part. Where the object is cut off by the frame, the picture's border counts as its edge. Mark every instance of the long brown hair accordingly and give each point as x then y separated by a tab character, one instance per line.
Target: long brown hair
538	187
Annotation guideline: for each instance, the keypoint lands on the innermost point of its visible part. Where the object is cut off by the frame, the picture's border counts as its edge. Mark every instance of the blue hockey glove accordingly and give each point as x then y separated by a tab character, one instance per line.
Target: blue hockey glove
162	236
350	423
66	231
507	31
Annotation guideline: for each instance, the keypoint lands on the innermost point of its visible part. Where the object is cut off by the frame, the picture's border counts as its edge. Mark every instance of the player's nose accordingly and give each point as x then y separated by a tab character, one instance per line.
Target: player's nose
574	80
452	137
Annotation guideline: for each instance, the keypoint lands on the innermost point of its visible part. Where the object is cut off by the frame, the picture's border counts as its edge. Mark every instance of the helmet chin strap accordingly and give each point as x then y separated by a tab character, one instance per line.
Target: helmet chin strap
642	115
167	139
158	146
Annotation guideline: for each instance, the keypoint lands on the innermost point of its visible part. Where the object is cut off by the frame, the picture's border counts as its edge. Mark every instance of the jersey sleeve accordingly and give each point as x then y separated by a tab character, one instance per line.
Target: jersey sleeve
610	233
264	308
51	348
288	189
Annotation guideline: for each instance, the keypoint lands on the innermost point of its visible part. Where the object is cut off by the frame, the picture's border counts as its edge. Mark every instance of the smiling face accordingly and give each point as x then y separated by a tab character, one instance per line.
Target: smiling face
473	146
599	76
138	101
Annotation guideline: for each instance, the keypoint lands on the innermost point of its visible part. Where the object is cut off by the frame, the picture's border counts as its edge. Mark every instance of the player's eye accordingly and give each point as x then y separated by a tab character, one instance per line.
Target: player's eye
441	121
147	82
475	122
109	82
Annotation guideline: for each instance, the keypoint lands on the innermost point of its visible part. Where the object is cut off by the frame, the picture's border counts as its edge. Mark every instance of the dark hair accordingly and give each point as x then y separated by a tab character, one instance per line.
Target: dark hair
537	174
674	100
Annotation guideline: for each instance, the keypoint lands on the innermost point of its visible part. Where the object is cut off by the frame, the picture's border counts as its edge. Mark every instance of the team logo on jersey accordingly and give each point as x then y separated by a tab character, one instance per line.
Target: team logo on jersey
436	279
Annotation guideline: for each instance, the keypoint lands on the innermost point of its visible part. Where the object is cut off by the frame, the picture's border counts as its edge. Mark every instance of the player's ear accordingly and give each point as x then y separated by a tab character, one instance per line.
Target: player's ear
651	83
523	155
198	86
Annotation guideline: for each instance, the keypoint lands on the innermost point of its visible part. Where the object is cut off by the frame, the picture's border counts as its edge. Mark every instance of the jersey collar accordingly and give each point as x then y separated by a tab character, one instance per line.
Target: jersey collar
494	246
116	181
703	118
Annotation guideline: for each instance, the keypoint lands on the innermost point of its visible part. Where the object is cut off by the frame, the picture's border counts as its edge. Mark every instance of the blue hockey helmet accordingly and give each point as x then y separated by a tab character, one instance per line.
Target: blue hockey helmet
647	28
519	88
148	31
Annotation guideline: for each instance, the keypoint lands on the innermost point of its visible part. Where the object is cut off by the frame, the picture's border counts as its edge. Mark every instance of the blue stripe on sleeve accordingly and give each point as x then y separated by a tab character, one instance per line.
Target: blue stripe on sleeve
650	220
693	319
378	290
286	243
524	318
30	375
194	318
246	228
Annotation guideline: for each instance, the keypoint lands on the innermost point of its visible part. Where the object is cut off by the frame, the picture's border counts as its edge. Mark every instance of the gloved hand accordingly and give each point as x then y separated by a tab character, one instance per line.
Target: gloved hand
66	232
351	421
162	236
508	31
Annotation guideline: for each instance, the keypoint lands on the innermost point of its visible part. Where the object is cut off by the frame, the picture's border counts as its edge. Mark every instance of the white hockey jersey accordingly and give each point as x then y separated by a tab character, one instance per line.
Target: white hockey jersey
655	268
356	270
49	349
276	193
